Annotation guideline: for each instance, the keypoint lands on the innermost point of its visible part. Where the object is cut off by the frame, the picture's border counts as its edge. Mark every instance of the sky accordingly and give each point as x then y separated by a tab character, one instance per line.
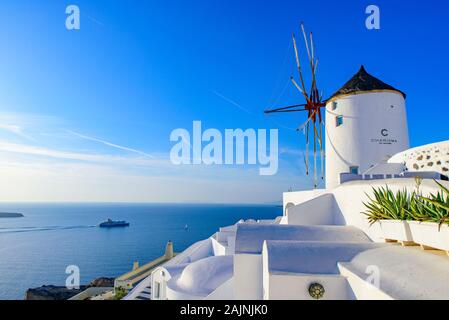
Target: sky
86	115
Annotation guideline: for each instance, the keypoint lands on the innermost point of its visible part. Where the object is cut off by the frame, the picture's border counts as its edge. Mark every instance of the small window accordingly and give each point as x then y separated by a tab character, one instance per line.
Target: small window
354	170
339	121
334	105
157	290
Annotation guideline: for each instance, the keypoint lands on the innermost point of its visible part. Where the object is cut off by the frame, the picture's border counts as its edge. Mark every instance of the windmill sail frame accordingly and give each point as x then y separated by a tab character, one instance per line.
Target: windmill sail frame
313	105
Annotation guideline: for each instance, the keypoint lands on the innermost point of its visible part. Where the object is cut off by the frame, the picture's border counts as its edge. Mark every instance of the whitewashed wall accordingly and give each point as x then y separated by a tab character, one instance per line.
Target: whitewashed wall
317	211
223	292
295	287
374	129
350	196
248	280
348	203
162	276
297	197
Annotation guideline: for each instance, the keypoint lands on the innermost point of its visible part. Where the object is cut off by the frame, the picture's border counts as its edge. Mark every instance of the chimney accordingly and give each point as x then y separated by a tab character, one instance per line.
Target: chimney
169	250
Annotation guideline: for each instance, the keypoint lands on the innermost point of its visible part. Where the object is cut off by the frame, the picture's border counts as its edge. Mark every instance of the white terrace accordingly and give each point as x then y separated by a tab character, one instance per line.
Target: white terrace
323	238
323	246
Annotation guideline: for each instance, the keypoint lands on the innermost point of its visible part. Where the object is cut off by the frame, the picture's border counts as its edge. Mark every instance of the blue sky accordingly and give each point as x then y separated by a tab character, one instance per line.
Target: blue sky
86	115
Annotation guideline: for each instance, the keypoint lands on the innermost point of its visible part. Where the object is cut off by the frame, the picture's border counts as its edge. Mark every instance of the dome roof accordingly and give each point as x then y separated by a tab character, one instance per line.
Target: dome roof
363	82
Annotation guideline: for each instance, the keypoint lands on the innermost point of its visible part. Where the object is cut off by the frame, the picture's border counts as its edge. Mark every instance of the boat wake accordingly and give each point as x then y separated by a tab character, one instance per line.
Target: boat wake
36	229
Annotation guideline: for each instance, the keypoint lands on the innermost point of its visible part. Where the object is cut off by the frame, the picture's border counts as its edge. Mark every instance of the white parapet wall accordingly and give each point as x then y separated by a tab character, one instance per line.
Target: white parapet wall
291	199
223	292
248	266
218	247
350	197
345	203
290	267
248	277
317	211
295	287
394	272
360	284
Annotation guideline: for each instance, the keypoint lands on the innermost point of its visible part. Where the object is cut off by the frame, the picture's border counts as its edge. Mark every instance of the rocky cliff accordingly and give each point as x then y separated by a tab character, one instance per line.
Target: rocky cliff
50	292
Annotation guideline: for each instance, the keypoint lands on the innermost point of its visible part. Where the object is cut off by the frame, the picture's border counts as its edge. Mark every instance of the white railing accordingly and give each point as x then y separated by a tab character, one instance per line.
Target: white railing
346	177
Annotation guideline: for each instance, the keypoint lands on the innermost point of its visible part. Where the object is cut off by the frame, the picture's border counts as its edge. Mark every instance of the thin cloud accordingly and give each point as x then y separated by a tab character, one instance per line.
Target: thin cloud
24	149
39	151
232	102
21	124
17	130
110	144
95	21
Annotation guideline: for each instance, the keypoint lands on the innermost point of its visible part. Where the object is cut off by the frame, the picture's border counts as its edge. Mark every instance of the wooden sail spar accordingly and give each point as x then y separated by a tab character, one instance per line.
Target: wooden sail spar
312	106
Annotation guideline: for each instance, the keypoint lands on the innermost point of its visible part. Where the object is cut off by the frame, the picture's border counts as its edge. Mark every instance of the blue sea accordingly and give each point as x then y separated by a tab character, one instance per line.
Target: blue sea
36	250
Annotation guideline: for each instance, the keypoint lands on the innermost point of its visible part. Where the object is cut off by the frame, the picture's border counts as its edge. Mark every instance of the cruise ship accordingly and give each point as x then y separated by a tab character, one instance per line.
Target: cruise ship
326	245
113	224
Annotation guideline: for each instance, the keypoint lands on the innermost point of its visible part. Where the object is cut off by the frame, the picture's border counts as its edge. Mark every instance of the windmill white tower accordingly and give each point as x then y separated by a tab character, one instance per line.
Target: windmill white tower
366	123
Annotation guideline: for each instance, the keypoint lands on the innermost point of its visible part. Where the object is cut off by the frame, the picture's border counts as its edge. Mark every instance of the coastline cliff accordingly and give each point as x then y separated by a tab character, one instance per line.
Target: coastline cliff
50	292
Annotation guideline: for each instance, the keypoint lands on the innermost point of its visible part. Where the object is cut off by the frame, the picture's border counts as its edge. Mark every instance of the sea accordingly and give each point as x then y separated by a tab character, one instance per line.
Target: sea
37	249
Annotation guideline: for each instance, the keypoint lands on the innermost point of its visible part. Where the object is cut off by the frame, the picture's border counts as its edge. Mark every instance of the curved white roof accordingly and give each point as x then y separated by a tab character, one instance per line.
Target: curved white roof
250	237
202	277
196	251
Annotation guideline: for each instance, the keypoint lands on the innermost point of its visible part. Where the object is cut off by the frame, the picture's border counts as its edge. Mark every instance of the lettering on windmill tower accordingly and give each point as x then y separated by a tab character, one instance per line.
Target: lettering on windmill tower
372	22
385	139
73	20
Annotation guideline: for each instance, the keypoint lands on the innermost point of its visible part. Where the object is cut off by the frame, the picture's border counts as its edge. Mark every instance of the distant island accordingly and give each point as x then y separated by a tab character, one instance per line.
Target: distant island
10	215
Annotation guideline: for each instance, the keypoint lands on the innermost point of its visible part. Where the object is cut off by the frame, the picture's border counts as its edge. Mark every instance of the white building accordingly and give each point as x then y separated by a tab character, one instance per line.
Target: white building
323	246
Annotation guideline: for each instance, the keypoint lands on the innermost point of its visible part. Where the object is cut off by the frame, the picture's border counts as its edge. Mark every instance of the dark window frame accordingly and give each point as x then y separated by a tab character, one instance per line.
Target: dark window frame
338	121
354	169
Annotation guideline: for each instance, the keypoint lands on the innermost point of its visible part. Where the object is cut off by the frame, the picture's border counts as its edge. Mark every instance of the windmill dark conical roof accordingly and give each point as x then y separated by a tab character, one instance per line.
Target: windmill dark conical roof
362	81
